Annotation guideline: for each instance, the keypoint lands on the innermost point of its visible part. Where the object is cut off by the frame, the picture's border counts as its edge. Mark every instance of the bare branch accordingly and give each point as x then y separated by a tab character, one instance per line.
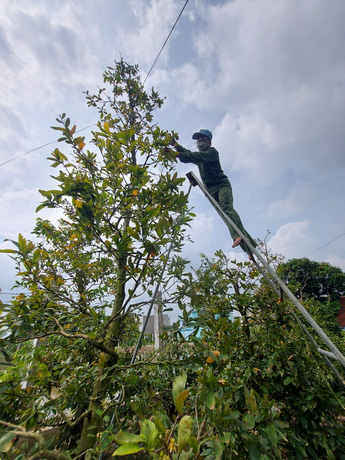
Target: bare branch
76	421
100	346
19	430
153	363
12	425
48	454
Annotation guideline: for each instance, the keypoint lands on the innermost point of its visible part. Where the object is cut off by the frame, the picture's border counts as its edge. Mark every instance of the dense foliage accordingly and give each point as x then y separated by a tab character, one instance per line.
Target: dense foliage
251	388
310	279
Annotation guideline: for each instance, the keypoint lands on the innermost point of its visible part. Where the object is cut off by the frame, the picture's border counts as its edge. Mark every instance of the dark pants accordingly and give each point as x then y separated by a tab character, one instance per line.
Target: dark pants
225	199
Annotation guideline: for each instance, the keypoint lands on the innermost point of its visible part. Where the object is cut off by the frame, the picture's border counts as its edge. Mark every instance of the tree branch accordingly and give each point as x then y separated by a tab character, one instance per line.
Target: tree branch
48	454
153	363
76	421
12	425
19	430
100	346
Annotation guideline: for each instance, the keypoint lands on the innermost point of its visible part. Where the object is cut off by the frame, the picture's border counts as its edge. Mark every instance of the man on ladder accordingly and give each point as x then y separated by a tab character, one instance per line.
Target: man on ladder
214	179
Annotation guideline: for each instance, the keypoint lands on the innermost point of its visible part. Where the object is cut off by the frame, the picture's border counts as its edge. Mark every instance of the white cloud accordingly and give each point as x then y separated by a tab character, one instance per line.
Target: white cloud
8	272
10	120
188	85
145	41
15	208
292	240
202	229
44	54
237	256
336	261
248	143
299	197
18	212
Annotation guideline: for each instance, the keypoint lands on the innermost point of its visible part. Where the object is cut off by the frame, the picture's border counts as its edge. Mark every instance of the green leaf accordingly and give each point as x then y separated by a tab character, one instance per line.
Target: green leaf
124	438
152	212
254	453
272	434
108	245
8	251
249	421
211	400
31	421
185	428
43	371
127	449
193	443
234	414
186	455
227	437
6	441
42	206
250	400
133	233
21	242
218	448
162	422
180	400
149	432
281	434
178	391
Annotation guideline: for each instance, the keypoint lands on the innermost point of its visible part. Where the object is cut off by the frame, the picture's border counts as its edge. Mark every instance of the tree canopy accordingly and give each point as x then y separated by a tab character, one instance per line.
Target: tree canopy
310	279
122	206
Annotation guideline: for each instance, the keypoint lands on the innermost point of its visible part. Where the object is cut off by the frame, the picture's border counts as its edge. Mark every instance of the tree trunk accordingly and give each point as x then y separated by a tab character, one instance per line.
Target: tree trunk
246	330
92	423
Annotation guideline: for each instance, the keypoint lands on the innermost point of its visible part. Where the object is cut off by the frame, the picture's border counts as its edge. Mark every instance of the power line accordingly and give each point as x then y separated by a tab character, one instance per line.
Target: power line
41	147
147	76
166	41
326	244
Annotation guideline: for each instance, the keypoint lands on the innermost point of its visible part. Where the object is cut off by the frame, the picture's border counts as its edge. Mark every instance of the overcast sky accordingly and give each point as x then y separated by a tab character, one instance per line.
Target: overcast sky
266	77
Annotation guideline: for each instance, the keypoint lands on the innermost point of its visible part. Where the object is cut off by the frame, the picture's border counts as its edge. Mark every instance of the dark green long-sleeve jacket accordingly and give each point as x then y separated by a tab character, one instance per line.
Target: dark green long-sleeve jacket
211	172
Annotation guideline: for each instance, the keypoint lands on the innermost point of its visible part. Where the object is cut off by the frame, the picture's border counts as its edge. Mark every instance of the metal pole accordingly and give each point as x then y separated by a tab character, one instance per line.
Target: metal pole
158	325
153	301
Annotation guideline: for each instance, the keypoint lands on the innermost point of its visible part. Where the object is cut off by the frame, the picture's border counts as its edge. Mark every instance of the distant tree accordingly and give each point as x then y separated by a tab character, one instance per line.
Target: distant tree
121	207
309	279
320	286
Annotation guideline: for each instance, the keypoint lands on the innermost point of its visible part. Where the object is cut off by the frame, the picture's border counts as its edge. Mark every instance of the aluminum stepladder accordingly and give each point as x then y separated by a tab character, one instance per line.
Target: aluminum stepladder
280	288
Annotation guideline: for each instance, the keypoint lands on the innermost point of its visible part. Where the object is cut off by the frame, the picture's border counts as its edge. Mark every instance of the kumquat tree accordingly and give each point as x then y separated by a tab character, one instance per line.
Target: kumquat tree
245	383
122	207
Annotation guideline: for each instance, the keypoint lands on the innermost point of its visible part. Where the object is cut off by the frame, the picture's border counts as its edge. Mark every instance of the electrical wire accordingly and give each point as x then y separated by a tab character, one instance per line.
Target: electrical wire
326	244
166	41
82	129
41	147
13	293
